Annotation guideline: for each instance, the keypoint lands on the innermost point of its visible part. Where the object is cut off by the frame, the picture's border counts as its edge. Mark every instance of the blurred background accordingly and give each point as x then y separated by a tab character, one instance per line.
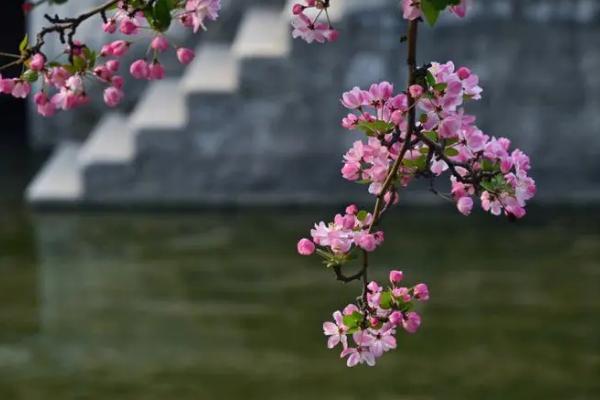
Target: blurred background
132	266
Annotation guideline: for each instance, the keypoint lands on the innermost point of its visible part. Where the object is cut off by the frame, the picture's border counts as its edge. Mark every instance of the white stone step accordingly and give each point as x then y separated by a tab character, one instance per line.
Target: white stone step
161	108
59	181
263	33
214	70
111	142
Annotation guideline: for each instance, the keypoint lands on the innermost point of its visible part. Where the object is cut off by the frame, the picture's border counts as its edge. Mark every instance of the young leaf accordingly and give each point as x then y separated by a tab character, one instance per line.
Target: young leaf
375	127
24	43
162	15
430	11
451	152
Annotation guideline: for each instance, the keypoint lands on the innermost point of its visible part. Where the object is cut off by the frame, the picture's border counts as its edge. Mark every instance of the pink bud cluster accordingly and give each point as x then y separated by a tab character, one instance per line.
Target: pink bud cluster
374	323
412	9
480	165
63	85
347	232
311	29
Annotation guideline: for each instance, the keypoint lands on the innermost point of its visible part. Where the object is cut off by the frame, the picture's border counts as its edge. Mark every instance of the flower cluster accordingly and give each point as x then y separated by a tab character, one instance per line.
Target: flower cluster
63	83
374	322
422	131
414	9
446	138
338	238
310	28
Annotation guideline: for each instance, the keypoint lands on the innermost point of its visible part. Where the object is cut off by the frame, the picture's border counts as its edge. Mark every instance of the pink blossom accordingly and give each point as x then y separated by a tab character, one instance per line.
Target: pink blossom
421	292
139	69
160	43
109	26
336	331
103	73
352	209
396	276
118	81
358	355
57	77
383	341
185	56
367	242
118	48
129	27
44	106
197	11
309	32
21	89
415	91
396	318
354	98
463	73
402	293
411	322
306	247
460	9
113	65
6	85
412	9
37	62
156	71
112	96
297	9
465	205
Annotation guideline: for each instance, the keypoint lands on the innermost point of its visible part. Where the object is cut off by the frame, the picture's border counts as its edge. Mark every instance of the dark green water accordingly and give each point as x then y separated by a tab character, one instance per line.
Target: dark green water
218	306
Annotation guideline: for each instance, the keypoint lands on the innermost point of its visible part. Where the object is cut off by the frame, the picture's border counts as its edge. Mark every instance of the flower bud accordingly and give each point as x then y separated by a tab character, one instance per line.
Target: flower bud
37	62
305	247
112	96
160	43
297	9
156	71
139	69
185	56
465	205
396	276
463	73
421	292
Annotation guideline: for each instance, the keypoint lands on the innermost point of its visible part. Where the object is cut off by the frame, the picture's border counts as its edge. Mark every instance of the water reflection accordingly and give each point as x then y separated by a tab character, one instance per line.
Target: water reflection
217	306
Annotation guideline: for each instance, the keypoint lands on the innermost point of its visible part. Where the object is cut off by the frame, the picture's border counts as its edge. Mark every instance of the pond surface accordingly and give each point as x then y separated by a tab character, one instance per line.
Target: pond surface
219	306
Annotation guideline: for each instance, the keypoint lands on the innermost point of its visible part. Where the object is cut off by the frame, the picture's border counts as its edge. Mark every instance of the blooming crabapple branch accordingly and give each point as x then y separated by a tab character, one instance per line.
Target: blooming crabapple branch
400	148
63	82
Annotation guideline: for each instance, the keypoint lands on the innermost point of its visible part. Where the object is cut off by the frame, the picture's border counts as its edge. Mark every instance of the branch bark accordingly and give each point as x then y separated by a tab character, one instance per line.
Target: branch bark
393	171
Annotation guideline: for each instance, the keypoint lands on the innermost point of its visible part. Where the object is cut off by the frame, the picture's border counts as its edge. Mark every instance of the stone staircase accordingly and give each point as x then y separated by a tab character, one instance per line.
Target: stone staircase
238	127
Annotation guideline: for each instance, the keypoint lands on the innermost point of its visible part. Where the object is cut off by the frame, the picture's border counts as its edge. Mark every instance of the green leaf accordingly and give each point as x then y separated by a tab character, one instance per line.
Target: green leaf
31	76
418	163
79	63
440	87
431	135
430	79
487	186
90	56
362	215
451	152
353	320
375	127
162	15
430	11
386	300
24	43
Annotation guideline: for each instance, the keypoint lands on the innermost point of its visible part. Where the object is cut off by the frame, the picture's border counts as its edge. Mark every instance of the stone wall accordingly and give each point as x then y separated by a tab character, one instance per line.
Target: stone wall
538	61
